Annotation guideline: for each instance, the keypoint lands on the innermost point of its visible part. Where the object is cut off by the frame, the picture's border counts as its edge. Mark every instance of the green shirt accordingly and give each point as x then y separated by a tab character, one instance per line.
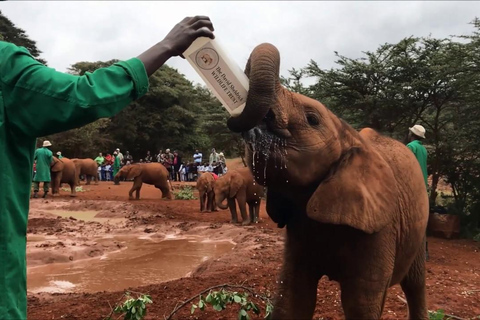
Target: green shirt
44	158
37	101
421	154
99	160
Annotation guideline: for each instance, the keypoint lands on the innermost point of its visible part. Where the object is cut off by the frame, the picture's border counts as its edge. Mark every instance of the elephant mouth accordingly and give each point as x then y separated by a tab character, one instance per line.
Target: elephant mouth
268	148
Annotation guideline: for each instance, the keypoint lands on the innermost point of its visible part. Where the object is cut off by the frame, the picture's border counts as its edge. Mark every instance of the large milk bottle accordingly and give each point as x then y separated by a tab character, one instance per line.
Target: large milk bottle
223	76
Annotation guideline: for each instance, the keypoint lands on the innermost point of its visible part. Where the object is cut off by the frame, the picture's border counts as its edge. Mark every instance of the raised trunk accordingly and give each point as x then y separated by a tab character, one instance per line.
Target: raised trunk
263	72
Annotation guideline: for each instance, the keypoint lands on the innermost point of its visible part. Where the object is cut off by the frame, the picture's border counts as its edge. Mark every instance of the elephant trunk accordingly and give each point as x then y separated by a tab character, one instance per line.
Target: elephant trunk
219	200
262	69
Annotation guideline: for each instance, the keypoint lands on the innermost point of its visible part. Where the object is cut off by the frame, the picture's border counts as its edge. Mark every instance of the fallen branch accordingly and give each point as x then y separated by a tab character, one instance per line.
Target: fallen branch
446	315
225	285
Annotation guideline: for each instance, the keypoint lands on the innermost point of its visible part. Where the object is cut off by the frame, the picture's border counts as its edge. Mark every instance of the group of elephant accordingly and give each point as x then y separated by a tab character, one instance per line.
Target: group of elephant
354	204
68	171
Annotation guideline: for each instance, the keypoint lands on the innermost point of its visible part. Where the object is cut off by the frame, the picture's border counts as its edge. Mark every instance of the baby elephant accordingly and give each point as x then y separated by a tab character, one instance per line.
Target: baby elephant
205	186
239	184
150	173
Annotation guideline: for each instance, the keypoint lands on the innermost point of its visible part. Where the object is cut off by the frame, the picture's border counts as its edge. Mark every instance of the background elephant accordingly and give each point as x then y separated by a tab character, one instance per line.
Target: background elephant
355	203
205	186
63	171
150	173
239	184
87	167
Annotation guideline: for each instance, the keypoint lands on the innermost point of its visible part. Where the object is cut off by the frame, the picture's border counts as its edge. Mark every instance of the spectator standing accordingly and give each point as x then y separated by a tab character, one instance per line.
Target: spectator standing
197	157
59	155
44	158
116	166
128	158
148	157
100	159
213	156
120	155
169	163
177	162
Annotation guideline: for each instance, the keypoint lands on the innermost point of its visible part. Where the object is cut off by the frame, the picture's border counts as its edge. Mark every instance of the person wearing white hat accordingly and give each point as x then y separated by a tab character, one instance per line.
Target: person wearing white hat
59	155
415	136
44	157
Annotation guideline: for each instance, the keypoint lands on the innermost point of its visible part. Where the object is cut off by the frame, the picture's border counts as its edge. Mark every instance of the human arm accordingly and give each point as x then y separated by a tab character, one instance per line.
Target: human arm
40	101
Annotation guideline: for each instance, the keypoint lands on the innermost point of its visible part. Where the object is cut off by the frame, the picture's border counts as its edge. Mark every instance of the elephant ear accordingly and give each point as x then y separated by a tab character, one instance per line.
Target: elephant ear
134	171
360	192
57	165
236	182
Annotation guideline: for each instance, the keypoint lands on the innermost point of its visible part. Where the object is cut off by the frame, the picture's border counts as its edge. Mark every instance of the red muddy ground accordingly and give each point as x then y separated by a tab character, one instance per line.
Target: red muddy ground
453	272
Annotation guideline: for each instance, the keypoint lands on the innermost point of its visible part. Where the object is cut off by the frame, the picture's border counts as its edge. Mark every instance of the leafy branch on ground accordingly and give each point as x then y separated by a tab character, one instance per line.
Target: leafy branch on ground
220	299
132	308
185	193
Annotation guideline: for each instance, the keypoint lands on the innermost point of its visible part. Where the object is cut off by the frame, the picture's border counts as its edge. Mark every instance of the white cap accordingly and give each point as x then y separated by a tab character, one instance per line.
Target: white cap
418	130
46	143
59	153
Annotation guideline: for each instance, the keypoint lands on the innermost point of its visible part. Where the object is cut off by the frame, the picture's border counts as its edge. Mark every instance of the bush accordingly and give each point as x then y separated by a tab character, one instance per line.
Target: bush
185	193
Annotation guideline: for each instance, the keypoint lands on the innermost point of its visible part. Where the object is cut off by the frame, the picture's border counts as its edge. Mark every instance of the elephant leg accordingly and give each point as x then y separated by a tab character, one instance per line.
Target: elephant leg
138	186
73	189
95	177
214	203
88	178
363	300
202	201
257	210
251	209
297	294
413	285
233	209
242	204
165	188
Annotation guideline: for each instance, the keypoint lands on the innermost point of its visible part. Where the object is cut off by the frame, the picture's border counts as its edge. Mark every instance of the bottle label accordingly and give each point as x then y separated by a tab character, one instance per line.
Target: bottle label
217	72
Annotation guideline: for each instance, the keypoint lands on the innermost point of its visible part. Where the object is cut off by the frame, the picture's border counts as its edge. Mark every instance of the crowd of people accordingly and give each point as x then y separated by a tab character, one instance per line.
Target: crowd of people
179	169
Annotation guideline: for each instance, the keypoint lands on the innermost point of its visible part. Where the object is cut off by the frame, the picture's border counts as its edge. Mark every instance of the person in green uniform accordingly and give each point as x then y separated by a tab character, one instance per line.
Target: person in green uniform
415	136
37	101
59	155
116	166
44	159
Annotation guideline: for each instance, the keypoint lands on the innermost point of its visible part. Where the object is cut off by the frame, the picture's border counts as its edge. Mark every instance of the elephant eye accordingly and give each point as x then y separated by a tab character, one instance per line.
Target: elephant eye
312	119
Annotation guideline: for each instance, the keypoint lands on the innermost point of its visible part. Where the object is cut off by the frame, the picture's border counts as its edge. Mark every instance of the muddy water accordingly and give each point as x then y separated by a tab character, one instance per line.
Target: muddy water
84	215
143	262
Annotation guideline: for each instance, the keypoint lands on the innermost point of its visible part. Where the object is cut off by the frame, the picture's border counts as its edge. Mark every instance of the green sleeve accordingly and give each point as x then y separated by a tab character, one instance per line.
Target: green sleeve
40	101
412	148
35	155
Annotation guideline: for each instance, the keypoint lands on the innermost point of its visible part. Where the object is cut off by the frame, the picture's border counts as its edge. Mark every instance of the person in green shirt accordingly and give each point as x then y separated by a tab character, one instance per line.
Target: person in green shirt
59	155
100	159
415	136
44	158
37	101
116	166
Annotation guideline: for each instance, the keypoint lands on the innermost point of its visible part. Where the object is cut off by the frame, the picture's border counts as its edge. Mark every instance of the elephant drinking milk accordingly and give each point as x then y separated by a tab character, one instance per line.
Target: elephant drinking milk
354	203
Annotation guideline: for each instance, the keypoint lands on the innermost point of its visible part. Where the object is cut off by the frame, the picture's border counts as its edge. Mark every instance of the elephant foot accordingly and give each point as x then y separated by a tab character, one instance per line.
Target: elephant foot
246	223
215	210
234	222
73	195
208	211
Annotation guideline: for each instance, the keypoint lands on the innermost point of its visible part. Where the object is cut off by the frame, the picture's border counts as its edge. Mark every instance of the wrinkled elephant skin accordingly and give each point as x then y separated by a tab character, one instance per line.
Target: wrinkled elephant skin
150	173
238	185
87	167
63	171
354	203
205	186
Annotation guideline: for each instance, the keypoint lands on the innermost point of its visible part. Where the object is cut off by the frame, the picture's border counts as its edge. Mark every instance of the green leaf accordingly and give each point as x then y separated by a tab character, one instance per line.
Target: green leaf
209	298
217	307
255	308
133	310
237	299
193	308
201	305
243	312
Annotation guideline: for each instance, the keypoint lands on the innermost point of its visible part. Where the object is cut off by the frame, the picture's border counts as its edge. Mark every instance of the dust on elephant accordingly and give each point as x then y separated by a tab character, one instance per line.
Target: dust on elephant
150	173
87	167
239	185
354	203
63	171
205	186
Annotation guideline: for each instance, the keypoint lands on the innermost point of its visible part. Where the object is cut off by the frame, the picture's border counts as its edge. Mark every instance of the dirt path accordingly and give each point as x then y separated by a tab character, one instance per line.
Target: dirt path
453	273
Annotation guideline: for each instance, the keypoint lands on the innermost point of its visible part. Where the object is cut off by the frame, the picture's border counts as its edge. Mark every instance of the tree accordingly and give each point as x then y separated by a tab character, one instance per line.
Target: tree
10	33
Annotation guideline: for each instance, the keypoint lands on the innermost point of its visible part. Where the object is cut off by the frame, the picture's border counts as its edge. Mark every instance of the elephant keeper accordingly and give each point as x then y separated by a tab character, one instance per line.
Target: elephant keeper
44	159
38	101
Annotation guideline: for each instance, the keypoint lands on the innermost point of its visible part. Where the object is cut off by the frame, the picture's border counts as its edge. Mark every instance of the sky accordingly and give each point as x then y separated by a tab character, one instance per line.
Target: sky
68	32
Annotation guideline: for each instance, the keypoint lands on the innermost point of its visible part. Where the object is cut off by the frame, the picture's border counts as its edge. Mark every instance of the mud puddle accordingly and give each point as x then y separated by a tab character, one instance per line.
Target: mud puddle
87	216
143	262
